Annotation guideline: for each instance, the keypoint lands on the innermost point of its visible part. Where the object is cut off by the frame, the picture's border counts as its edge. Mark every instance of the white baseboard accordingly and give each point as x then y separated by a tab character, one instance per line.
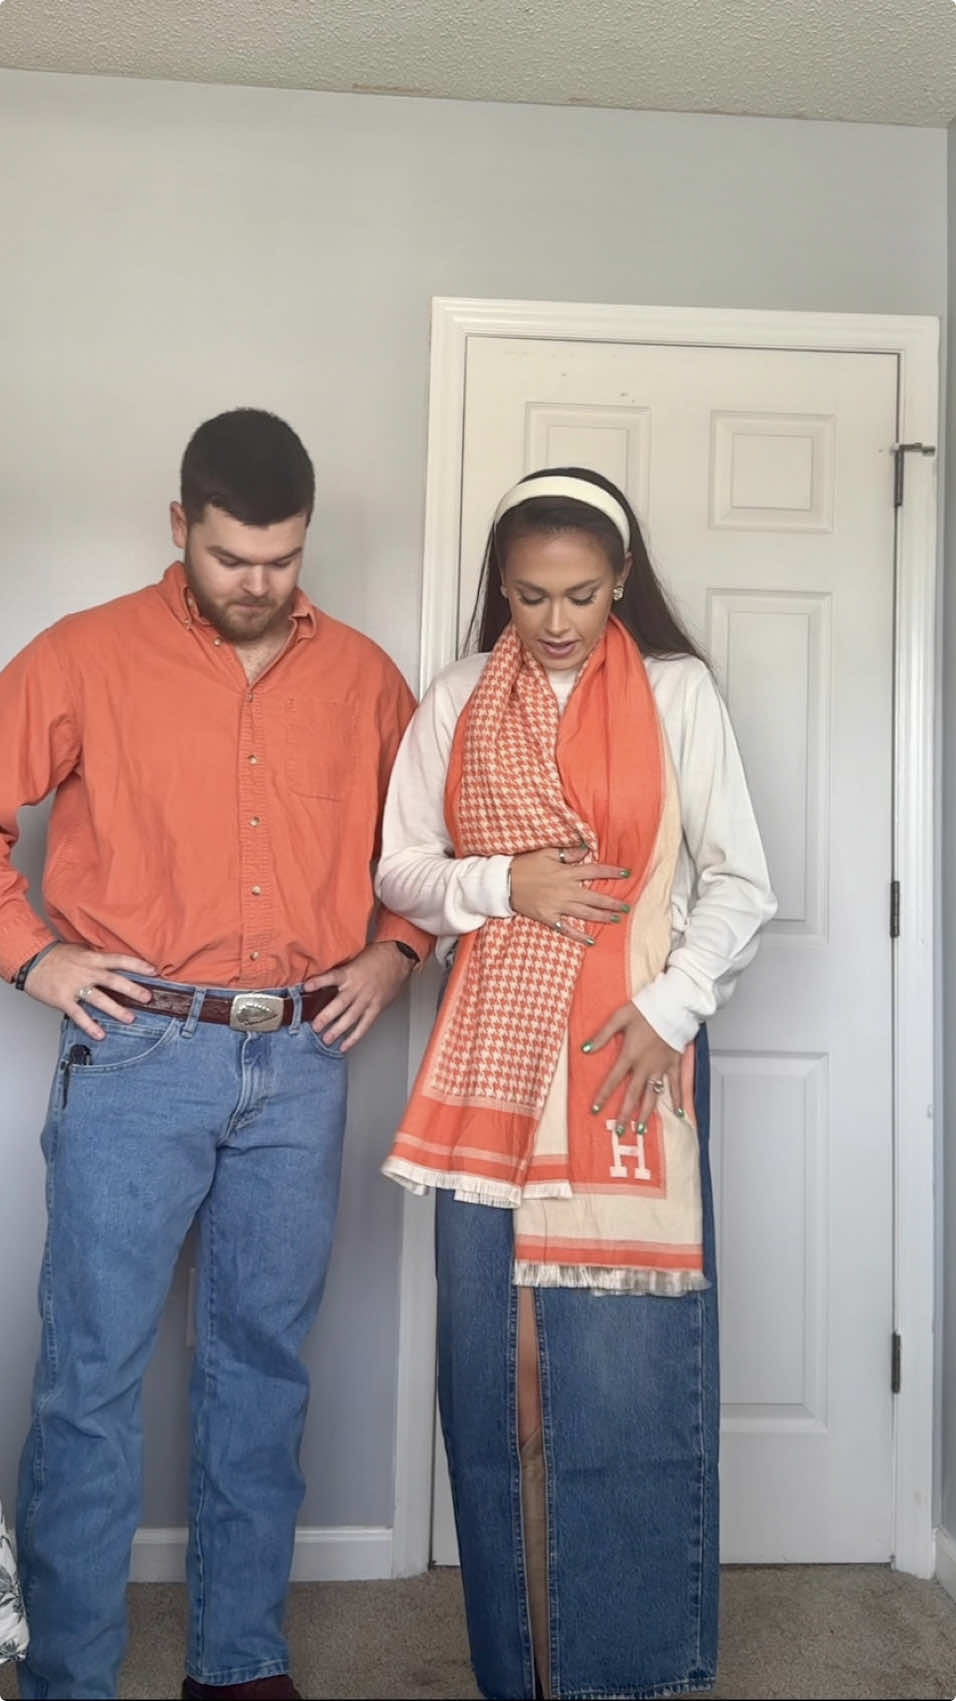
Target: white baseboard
946	1561
321	1556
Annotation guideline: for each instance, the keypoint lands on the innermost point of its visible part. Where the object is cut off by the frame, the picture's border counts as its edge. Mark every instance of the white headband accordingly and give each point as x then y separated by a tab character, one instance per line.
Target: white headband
581	489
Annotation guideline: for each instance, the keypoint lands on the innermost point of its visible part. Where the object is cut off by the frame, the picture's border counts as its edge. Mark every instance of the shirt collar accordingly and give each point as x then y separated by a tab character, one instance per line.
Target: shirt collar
177	596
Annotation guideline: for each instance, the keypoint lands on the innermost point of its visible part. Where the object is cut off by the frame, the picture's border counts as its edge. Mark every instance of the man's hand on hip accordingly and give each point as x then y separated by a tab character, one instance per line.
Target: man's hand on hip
366	986
70	977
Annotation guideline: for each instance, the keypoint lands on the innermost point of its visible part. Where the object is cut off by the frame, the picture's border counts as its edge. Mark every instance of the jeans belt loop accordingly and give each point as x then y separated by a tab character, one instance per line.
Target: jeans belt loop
192	1020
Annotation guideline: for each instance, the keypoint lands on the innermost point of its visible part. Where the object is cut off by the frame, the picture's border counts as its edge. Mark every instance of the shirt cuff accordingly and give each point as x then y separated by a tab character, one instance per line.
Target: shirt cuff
486	887
663	1006
390	926
21	941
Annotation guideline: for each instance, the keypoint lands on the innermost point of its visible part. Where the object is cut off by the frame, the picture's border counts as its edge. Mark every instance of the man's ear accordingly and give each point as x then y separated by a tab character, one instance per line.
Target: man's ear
178	524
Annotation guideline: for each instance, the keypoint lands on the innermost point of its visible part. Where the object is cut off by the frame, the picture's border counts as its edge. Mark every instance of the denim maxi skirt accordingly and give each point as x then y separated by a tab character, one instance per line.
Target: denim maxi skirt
630	1408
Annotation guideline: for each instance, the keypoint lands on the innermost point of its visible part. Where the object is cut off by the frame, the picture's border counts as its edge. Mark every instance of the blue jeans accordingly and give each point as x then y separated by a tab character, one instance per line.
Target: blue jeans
169	1121
630	1423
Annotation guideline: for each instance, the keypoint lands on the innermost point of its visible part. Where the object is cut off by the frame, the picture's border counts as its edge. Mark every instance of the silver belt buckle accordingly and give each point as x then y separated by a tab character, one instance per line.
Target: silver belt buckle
257	1012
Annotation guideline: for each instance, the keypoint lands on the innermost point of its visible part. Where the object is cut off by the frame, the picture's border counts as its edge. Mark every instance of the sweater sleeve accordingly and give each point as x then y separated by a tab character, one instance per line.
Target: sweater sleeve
418	875
733	899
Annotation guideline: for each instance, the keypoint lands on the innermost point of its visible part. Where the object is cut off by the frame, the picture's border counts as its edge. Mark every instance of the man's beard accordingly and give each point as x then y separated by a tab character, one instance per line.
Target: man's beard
232	621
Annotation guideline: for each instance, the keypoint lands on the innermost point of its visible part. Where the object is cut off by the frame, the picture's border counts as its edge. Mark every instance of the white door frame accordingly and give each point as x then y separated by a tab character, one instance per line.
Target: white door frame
915	341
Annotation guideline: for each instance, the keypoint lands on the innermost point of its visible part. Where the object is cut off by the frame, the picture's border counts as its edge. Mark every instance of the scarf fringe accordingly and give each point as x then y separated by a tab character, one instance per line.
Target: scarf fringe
665	1284
417	1179
472	1190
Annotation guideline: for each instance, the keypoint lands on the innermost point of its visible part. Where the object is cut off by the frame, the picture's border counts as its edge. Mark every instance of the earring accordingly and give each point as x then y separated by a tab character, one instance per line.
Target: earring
617	592
503	591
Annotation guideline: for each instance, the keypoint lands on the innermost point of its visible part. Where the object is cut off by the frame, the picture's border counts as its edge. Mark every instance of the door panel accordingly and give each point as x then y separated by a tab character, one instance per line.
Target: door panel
764	484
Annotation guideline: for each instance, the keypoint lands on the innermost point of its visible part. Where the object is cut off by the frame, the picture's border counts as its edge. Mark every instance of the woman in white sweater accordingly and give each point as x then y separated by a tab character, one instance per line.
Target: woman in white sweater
569	814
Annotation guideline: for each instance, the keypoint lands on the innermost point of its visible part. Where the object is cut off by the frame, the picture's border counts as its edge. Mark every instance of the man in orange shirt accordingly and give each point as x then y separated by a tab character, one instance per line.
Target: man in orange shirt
219	750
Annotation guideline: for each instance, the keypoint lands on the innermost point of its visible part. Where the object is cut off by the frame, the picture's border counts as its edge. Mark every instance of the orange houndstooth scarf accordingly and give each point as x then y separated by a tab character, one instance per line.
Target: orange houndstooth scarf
501	1108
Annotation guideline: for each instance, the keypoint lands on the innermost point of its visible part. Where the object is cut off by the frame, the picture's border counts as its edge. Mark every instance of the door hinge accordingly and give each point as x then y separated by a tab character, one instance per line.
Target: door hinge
894	909
896	1373
899	450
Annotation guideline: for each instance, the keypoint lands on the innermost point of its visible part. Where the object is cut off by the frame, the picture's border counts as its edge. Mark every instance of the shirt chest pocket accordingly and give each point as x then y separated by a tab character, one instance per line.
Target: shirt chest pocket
320	747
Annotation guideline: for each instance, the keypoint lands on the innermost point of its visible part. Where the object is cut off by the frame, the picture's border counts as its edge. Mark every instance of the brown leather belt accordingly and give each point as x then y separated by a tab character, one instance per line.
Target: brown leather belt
249	1012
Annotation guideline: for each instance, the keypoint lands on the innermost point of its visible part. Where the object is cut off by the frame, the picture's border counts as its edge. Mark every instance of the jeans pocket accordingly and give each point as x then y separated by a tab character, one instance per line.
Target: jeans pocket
125	1044
321	1046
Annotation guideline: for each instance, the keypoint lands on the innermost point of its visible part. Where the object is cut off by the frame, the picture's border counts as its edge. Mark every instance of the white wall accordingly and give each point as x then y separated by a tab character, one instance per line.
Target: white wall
173	250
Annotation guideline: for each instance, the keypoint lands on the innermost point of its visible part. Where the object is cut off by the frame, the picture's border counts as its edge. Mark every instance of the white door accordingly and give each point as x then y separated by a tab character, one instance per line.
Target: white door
764	480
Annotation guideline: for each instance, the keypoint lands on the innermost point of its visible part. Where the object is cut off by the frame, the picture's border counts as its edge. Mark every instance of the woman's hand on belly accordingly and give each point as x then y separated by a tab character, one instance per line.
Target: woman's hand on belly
550	885
643	1058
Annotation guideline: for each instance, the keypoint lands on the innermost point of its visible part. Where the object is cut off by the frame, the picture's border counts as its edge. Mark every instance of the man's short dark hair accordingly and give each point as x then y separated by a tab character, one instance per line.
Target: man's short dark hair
250	464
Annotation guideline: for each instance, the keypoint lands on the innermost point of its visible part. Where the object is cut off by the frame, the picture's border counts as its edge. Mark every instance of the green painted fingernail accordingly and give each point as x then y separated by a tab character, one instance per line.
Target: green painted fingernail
616	919
594	1109
624	872
587	1046
621	1128
642	1128
680	1113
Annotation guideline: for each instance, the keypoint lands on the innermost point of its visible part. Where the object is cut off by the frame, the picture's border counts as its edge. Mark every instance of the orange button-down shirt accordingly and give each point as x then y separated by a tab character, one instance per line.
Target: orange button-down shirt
223	831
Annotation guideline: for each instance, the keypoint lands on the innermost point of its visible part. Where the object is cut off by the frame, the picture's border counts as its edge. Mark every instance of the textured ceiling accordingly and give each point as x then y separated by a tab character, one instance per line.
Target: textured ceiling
880	61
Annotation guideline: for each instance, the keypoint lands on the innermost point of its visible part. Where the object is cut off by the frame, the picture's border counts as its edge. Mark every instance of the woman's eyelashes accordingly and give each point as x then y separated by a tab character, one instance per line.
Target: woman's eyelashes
577	602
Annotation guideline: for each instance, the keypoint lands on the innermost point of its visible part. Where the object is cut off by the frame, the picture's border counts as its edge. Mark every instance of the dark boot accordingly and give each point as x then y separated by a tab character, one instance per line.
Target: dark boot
279	1688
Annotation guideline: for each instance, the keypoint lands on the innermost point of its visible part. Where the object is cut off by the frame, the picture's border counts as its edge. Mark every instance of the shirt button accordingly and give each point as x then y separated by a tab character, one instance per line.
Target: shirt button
257	891
252	956
255	822
253	760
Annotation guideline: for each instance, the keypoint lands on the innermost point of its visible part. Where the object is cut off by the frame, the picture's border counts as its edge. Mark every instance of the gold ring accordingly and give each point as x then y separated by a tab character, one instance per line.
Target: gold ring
656	1086
562	856
558	926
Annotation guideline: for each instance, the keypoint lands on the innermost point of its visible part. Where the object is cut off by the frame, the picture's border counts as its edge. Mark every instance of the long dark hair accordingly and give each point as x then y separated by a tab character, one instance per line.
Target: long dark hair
643	609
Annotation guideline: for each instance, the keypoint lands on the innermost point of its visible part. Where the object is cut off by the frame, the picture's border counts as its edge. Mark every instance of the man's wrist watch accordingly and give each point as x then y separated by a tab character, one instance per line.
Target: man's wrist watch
20	978
406	950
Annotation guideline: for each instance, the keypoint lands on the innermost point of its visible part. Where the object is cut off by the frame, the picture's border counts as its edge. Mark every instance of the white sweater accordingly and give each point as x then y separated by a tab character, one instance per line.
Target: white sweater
13	1626
721	895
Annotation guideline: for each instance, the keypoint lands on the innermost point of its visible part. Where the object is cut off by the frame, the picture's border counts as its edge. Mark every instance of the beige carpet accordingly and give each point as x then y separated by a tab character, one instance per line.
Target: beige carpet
823	1631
